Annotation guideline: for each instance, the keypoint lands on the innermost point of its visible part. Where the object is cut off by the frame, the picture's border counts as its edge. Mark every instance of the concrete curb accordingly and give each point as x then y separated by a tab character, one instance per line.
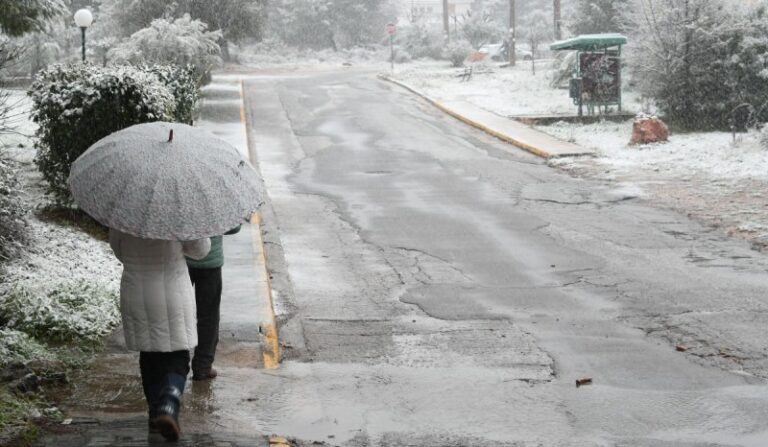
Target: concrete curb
539	151
268	327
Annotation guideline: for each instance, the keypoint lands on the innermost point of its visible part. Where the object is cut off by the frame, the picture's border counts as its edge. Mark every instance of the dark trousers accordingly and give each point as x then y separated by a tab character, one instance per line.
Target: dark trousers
160	370
208	286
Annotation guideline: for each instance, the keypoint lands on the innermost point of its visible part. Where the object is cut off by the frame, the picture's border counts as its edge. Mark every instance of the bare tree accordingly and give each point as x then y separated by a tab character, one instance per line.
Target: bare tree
536	31
512	33
446	25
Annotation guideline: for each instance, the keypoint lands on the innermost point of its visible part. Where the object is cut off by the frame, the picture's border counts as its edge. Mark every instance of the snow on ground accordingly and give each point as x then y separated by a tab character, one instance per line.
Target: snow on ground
706	175
714	155
505	91
270	55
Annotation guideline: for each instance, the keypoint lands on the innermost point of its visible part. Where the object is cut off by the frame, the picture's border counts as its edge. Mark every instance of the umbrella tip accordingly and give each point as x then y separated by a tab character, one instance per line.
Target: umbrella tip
170	136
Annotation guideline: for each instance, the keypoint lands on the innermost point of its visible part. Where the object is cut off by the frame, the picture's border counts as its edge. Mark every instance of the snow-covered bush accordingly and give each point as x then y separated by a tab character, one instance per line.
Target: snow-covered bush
77	105
480	28
457	51
335	24
12	225
597	16
764	136
421	40
179	42
701	62
402	56
70	312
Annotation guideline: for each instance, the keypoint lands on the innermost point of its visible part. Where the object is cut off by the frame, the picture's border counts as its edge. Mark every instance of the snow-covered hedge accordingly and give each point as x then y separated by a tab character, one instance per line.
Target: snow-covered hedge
457	51
76	105
179	42
183	84
12	225
423	41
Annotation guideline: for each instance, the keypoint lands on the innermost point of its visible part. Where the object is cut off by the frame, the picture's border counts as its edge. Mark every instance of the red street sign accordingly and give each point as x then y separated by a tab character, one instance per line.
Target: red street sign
391	29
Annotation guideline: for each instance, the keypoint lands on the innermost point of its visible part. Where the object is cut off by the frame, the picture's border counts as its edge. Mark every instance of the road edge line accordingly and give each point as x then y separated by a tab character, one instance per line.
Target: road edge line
271	345
543	153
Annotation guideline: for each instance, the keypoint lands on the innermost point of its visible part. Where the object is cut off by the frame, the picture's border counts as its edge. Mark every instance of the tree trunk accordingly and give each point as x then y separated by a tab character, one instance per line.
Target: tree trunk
557	20
512	34
446	25
225	55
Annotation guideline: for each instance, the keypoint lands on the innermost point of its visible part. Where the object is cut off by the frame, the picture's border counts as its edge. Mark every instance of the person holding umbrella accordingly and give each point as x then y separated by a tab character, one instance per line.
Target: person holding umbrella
163	197
157	306
206	278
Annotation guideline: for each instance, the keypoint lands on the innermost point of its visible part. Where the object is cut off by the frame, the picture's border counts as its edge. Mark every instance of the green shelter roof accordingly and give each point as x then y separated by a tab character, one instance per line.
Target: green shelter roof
589	42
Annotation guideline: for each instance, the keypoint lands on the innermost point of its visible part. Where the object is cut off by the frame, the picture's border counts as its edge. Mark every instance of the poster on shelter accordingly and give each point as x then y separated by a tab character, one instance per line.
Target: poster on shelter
600	77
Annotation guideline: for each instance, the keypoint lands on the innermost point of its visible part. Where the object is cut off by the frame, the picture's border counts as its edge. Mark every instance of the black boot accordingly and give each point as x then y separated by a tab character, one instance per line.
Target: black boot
169	405
152	394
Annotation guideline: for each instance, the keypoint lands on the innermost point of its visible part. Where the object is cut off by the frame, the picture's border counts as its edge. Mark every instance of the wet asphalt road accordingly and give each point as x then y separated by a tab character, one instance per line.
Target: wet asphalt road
438	287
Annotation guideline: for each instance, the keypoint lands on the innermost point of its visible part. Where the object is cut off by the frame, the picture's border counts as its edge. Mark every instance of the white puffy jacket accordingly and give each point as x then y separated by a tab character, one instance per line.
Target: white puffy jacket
157	301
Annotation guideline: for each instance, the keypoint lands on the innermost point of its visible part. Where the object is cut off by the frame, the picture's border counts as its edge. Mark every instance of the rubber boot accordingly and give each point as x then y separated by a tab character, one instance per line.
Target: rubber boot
169	406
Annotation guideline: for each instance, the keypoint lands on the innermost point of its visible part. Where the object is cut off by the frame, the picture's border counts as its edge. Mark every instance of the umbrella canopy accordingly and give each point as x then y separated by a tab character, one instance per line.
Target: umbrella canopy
165	181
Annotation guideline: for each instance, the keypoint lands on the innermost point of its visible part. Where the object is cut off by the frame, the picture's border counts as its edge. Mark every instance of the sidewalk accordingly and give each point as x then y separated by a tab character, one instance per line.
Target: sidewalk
107	406
511	131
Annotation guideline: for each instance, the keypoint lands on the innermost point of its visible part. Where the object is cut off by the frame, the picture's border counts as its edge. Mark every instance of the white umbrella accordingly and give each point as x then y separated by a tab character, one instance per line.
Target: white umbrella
165	181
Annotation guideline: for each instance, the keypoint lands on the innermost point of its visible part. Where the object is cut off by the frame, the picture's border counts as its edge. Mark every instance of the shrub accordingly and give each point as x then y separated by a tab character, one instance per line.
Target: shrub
72	312
77	105
12	225
479	28
180	42
402	56
457	52
702	63
422	41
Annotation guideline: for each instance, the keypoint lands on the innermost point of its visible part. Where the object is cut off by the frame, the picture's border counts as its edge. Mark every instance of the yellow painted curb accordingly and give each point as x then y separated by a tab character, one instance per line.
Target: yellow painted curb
501	136
271	345
269	327
279	441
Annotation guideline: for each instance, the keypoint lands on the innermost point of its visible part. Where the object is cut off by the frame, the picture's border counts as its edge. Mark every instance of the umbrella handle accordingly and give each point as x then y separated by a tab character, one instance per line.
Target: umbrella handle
170	136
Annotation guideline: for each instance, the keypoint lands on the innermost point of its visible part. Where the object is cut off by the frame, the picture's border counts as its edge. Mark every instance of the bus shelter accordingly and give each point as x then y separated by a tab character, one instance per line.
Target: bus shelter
597	78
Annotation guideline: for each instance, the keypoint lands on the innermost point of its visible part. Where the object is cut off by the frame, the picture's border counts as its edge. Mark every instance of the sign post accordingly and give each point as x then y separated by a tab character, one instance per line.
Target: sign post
391	30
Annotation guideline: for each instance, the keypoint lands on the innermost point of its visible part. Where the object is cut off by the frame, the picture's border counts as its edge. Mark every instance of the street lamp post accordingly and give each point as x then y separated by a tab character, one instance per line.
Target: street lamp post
83	19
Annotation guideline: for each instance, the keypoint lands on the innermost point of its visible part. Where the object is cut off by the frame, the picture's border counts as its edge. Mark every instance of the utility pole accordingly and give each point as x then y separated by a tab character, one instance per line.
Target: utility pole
512	32
446	25
556	9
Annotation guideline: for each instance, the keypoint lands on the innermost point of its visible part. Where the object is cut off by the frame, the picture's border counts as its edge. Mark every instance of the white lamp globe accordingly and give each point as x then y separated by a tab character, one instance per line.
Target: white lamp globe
83	18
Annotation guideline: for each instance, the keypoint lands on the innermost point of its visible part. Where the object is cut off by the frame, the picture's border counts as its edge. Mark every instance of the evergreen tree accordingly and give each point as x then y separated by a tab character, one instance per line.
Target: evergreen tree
18	17
597	16
687	56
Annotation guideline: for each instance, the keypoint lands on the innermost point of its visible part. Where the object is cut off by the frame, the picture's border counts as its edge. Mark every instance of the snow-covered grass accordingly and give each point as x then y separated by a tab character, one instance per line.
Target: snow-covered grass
58	298
714	155
706	175
64	286
506	91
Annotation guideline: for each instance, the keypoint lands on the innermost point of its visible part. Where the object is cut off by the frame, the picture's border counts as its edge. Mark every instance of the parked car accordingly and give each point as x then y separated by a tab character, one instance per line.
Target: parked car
499	52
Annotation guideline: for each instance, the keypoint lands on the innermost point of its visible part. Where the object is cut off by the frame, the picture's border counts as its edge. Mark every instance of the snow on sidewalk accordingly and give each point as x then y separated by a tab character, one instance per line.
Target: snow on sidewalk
504	91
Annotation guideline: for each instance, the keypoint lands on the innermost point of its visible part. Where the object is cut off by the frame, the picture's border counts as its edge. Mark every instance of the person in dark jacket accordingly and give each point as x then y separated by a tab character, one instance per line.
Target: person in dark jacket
206	277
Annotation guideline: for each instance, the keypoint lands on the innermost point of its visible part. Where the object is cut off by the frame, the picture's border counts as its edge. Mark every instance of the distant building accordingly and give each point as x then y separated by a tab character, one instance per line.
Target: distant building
431	11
